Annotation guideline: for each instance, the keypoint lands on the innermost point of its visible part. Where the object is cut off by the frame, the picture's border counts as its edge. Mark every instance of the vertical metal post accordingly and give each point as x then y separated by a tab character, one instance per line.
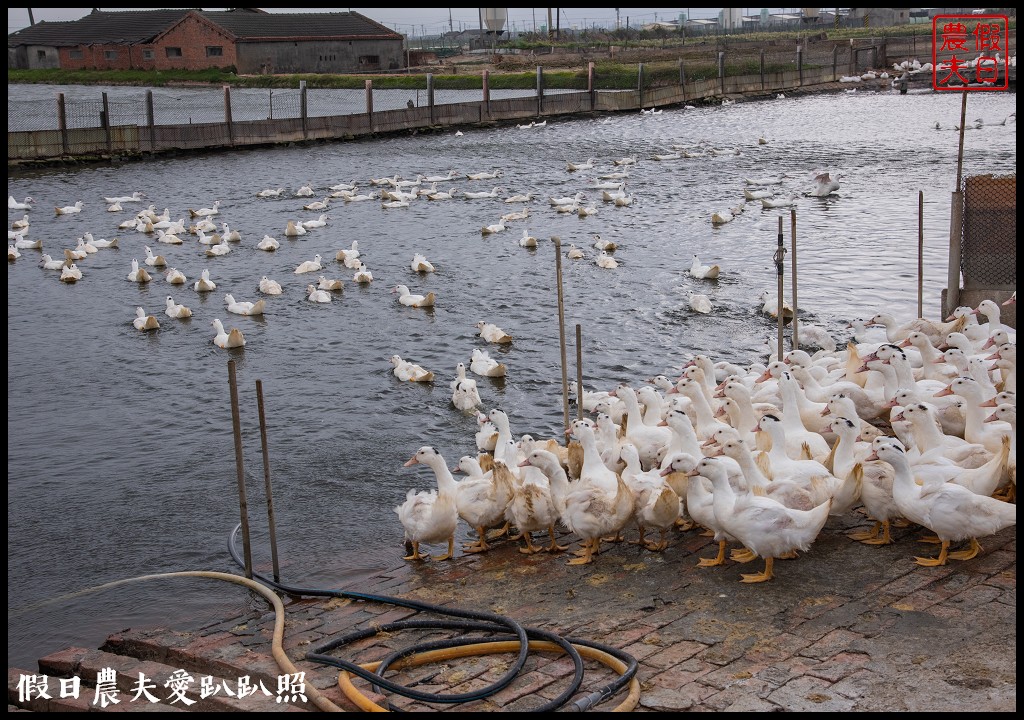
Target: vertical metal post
956	218
835	57
62	123
243	503
800	63
920	253
266	482
590	85
105	117
369	103
579	370
540	90
487	93
796	307
682	79
762	69
721	71
561	329
640	84
779	257
430	95
227	114
960	151
303	108
150	119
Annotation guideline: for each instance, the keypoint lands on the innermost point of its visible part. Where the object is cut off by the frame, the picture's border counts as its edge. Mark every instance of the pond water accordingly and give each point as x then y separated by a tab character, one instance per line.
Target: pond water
120	450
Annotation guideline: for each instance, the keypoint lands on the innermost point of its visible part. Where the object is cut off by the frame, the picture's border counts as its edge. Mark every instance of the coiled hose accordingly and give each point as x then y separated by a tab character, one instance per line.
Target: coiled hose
506	636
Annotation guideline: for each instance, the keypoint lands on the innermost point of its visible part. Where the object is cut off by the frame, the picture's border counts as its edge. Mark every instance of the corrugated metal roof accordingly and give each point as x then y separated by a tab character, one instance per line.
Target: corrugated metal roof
295	25
99	27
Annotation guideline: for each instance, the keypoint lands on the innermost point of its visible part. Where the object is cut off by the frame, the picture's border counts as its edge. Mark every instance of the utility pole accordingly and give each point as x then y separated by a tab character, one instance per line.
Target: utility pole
31	20
534	21
558	23
451	25
617	23
549	23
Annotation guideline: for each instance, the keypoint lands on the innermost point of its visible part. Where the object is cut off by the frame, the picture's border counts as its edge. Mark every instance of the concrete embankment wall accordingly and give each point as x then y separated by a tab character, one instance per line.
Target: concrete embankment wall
130	140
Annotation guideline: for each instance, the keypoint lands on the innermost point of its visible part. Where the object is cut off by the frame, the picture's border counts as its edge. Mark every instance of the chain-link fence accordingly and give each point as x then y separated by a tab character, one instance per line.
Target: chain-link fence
988	250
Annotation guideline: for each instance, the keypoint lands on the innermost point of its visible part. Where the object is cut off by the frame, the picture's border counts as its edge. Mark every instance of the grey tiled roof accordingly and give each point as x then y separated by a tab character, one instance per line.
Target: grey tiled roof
140	26
99	27
246	25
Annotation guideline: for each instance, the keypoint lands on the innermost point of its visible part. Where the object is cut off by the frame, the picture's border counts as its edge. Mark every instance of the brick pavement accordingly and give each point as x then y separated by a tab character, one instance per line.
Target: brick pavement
846	627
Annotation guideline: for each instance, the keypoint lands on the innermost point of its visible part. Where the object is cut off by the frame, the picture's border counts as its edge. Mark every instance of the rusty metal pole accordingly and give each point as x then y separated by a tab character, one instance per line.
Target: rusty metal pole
796	306
779	257
920	253
266	483
956	216
561	329
243	503
579	370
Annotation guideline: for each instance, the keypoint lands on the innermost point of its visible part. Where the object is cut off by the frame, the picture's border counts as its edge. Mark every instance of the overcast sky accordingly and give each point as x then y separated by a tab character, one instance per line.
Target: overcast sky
416	21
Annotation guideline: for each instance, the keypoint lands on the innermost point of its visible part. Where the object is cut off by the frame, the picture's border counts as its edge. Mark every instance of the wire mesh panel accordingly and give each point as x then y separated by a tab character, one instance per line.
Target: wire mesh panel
26	115
321	102
84	113
127	112
397	99
988	252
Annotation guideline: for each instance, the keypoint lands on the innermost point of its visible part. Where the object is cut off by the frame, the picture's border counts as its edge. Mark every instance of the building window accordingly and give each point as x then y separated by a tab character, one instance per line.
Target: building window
76	54
41	54
369	60
110	54
173	52
147	54
214	51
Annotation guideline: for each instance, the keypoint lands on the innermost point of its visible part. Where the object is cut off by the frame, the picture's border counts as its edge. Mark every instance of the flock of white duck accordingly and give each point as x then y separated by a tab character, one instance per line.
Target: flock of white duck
910	422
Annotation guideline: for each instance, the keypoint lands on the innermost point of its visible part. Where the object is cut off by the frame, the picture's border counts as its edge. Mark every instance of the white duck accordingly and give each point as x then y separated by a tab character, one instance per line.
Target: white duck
483	364
206	212
492	333
430	516
268	244
655	503
204	283
333	284
574	253
230	235
138	274
270	287
605	260
175	310
307	266
242	307
407	298
154	260
294	229
270	192
421	264
481	499
465	395
703	272
219	249
314	294
70	274
765	526
699	302
143	321
823	184
362	274
527	240
410	372
13	204
69	209
49	263
224	339
951	511
495	228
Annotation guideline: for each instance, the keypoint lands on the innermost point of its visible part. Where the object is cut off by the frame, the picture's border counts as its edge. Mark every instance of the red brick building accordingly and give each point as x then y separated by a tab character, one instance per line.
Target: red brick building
247	39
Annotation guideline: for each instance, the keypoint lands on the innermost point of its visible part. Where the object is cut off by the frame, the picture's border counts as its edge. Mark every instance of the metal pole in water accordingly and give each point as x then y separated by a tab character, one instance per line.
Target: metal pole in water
920	253
561	329
956	224
266	482
579	370
796	307
779	257
243	504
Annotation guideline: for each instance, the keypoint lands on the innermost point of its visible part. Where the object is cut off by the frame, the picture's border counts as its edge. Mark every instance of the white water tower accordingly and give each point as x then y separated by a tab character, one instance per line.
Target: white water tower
494	19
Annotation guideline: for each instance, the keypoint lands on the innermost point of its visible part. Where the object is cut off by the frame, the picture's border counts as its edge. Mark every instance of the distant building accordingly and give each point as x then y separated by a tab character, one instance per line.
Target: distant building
249	39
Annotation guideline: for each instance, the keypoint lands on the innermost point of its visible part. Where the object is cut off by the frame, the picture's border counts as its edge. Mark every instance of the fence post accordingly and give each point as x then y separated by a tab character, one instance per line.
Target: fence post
303	108
540	90
487	93
430	95
369	103
800	64
150	119
590	85
105	118
227	114
640	84
721	71
835	57
762	69
62	123
682	79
